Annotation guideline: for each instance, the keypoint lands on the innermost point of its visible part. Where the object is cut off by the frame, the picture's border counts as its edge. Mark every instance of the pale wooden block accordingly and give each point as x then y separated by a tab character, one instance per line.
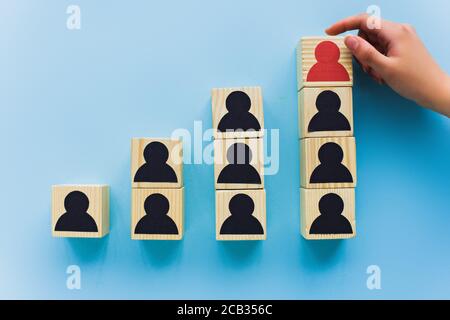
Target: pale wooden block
257	216
306	59
310	99
219	110
247	171
82	214
174	215
173	167
343	226
337	171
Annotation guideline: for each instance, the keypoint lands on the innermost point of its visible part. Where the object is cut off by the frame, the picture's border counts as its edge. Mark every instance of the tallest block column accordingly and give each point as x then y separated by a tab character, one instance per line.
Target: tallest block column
327	145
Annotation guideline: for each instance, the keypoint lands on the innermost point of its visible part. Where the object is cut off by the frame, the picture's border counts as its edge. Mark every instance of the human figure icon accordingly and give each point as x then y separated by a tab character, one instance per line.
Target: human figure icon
239	169
327	68
241	221
76	217
156	220
328	118
331	168
155	168
238	117
331	220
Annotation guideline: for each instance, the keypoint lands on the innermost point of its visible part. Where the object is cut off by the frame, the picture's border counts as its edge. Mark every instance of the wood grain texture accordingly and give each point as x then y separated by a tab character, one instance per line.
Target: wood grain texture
175	148
98	196
306	59
218	98
176	212
309	211
223	198
309	160
307	109
221	147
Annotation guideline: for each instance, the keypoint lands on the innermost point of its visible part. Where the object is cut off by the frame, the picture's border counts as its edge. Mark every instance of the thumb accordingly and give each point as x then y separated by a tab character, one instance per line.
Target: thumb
366	54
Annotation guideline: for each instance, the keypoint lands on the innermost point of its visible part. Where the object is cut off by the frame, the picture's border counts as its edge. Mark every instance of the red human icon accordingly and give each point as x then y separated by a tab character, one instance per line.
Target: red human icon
327	67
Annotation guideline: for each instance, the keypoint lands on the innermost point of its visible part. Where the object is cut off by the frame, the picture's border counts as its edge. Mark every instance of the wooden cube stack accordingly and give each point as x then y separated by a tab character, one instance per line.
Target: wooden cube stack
157	197
80	211
238	123
327	145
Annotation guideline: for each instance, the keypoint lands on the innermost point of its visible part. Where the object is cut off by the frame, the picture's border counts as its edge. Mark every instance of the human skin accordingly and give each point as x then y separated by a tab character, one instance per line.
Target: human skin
394	54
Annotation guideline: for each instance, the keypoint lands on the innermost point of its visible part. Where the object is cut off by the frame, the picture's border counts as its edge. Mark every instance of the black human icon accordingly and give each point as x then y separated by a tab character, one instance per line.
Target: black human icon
331	220
238	117
241	221
330	168
239	169
328	118
76	217
156	220
155	168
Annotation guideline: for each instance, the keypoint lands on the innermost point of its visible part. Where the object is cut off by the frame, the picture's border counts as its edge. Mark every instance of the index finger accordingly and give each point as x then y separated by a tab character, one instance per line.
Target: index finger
358	22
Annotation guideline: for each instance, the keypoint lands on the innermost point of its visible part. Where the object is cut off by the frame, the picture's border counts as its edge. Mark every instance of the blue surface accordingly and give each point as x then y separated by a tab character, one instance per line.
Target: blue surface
71	101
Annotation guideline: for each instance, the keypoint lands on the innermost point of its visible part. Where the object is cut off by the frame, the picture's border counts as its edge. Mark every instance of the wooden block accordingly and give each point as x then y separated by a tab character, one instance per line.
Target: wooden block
156	163
328	162
157	214
239	163
323	62
325	112
237	112
80	211
241	215
327	213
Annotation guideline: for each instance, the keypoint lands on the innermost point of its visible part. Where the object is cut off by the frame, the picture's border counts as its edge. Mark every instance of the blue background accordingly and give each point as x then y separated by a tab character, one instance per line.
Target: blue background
71	101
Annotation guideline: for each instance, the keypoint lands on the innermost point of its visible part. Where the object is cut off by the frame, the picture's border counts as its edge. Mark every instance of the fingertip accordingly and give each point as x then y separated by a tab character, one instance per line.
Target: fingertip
335	29
352	42
329	31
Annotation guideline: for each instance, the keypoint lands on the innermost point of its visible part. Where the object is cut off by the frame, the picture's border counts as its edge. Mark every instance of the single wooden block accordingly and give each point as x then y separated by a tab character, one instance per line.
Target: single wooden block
237	112
241	215
327	213
239	163
157	214
325	112
328	162
156	163
80	211
323	62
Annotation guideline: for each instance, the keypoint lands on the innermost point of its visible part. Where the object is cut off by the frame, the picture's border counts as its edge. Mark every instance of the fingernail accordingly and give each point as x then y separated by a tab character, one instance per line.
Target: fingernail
352	43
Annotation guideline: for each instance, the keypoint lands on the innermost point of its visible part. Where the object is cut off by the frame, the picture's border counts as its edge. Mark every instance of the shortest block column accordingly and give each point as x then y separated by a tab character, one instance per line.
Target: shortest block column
80	211
327	213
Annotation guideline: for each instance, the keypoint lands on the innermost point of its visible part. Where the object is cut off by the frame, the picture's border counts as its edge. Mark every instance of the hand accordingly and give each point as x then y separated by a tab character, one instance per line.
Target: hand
395	55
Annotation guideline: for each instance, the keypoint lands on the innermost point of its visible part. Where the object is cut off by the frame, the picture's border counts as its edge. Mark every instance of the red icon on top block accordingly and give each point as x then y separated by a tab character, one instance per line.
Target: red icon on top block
327	68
